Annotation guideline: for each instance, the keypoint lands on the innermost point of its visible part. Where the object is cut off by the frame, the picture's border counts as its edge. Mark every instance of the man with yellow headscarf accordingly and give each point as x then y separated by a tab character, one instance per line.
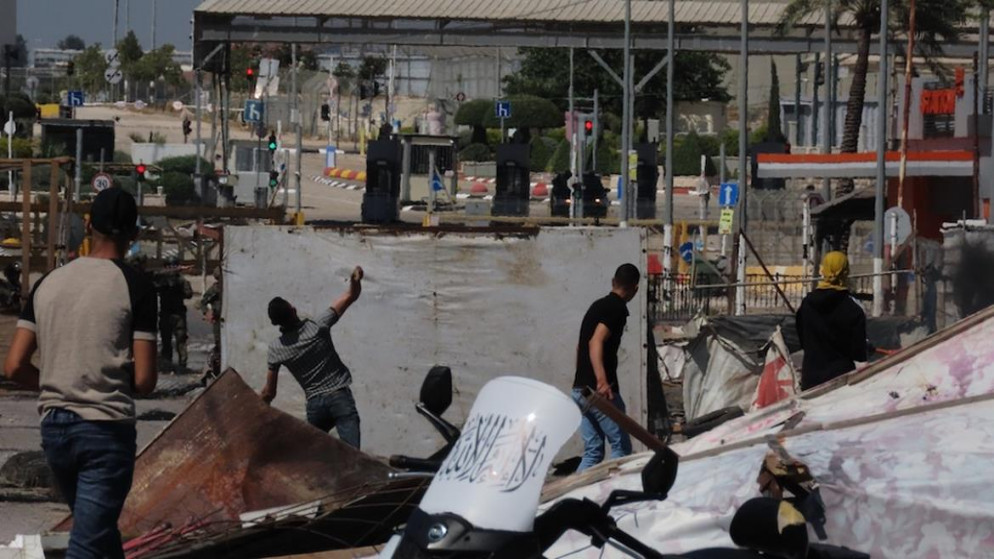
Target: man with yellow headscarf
831	325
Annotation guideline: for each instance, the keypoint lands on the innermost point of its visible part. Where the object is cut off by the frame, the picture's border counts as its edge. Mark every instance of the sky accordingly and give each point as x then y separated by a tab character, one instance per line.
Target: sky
44	22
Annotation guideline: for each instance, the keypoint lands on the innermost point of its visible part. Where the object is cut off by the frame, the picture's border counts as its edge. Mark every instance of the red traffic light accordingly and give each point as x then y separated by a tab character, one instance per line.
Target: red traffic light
588	126
140	168
249	73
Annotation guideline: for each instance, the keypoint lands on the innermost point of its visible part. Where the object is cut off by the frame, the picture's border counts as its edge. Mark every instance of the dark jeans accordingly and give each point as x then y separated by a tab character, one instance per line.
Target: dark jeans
93	462
336	411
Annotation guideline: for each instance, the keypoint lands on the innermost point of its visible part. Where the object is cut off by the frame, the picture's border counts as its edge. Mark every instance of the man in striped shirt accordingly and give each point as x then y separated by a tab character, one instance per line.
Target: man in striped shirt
306	349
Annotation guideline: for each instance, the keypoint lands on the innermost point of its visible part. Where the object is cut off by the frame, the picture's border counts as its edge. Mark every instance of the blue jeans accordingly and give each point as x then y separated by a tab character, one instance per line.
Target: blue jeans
93	462
595	427
336	411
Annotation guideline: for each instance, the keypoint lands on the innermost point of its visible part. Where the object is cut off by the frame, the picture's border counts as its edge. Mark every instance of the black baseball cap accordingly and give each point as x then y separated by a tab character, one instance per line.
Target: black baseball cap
114	213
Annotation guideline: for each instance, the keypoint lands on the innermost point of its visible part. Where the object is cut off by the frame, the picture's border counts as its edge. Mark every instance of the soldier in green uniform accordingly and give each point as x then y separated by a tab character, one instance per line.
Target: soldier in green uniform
173	291
210	307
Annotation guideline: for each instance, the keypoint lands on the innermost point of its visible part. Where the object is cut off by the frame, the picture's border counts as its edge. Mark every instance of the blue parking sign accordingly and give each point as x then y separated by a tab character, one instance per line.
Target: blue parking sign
253	111
502	109
75	98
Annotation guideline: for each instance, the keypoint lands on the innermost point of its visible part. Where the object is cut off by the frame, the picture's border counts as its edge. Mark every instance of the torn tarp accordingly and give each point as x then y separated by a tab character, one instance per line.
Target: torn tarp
901	449
724	356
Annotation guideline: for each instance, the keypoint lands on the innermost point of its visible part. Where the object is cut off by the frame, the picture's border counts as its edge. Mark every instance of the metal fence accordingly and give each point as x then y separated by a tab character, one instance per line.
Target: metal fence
680	298
775	225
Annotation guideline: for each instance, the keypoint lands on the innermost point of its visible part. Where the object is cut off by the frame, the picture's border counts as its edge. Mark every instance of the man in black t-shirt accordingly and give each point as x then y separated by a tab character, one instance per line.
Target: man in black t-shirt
597	367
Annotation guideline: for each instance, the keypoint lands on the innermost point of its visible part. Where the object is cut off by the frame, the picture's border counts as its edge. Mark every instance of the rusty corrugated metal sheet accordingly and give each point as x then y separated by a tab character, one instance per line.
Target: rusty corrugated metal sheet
230	453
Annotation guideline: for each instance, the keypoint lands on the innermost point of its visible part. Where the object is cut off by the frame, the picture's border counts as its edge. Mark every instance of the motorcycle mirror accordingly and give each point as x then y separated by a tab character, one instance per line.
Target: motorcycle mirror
771	526
436	390
659	475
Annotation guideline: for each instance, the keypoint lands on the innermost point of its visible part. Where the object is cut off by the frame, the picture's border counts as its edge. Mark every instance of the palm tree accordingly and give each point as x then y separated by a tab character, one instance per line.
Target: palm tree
937	21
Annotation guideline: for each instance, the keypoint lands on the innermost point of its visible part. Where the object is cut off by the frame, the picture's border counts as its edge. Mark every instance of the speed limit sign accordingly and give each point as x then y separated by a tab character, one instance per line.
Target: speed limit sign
101	181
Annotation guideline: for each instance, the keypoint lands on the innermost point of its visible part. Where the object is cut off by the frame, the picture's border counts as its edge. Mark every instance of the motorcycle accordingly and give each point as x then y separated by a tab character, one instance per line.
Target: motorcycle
435	397
483	500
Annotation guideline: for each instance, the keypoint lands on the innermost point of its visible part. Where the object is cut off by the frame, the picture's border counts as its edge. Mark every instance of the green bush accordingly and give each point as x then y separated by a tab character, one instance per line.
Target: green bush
178	188
473	113
493	137
527	111
186	164
559	161
687	157
541	151
556	135
21	147
730	138
476	152
608	155
122	157
711	145
612	122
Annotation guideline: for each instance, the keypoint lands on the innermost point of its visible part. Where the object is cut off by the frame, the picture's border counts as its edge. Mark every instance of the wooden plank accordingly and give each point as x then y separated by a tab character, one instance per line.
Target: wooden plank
626	423
25	230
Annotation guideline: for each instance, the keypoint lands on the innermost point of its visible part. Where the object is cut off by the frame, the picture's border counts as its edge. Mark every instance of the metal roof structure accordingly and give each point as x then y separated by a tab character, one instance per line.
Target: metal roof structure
720	12
591	24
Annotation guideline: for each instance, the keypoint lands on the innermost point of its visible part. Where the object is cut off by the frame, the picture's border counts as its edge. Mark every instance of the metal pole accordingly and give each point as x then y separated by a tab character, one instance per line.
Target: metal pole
297	127
826	185
597	128
79	166
670	117
743	155
906	110
878	223
10	155
572	123
797	101
722	172
117	8
985	30
500	93
626	118
154	3
815	98
198	177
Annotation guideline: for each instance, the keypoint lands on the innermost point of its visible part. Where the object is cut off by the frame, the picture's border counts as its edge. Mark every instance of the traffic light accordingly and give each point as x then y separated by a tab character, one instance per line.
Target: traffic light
274	179
272	142
588	127
70	68
187	127
140	171
819	74
325	112
250	73
363	91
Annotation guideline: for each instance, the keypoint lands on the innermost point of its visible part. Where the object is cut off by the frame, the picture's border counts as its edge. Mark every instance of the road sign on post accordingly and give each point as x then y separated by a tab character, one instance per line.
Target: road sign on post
687	252
728	194
113	76
725	222
75	98
253	111
502	109
101	181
